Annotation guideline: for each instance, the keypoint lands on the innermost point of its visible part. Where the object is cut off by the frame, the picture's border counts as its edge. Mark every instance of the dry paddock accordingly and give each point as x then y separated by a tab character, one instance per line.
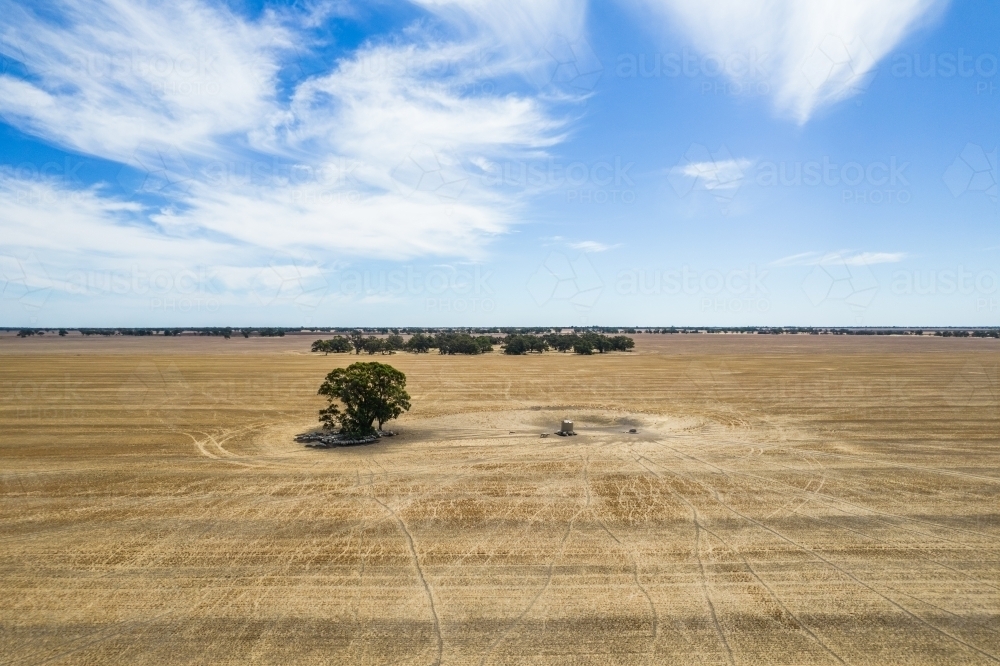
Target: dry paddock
786	499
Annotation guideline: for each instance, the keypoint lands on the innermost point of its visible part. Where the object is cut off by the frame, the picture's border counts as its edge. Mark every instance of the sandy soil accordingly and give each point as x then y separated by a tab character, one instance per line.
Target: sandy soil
786	499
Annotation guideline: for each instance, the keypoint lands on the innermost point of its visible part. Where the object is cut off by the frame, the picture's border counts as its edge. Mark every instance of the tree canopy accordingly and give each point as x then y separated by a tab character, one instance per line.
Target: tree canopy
523	344
336	345
464	343
586	343
361	395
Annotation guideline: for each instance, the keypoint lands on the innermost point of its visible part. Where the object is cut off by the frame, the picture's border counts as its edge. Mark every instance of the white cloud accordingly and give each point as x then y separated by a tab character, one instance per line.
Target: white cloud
85	243
522	27
388	139
111	75
872	258
713	175
813	53
593	246
70	228
843	257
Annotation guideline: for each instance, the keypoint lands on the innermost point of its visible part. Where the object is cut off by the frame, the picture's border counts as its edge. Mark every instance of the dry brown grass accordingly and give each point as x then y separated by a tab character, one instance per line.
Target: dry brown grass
789	499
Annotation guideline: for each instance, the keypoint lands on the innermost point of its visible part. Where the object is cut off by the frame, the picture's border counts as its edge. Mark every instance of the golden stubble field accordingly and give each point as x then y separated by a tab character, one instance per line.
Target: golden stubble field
786	499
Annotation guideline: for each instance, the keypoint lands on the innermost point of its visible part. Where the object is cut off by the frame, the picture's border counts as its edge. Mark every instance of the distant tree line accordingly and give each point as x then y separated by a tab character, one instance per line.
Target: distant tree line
211	331
463	343
965	334
456	339
419	343
586	343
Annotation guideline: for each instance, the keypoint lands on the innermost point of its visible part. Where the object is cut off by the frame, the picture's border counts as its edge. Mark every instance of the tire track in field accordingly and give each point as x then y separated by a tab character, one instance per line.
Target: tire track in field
895	544
830	500
654	616
981	625
862	490
867	461
729	473
857	580
848	483
775	597
832	506
548	577
224	436
385	474
811	497
753	572
420	574
848	574
703	575
917	468
679	630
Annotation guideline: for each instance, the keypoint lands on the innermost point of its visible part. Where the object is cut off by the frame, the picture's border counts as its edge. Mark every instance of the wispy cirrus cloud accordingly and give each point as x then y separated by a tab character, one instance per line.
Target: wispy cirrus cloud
814	53
107	76
725	174
845	257
397	145
593	246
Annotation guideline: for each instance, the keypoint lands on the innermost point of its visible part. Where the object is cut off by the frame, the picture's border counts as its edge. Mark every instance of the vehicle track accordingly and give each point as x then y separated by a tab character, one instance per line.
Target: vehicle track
868	536
850	576
420	574
730	472
548	577
753	573
704	577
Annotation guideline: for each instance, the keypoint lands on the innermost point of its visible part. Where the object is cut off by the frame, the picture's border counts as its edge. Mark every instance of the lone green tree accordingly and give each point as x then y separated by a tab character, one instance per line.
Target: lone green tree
361	395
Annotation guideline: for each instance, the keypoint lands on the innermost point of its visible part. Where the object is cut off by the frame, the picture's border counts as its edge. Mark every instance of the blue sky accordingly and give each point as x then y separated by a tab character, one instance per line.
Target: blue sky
640	162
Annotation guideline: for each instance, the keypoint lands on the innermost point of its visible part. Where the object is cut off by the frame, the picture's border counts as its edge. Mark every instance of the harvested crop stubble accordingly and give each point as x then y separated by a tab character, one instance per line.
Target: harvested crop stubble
785	499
